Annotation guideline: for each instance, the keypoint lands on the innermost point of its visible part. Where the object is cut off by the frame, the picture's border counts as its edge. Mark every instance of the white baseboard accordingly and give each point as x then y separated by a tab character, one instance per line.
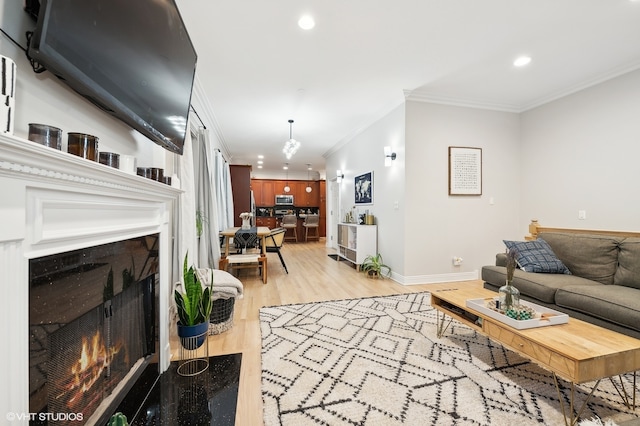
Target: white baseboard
435	278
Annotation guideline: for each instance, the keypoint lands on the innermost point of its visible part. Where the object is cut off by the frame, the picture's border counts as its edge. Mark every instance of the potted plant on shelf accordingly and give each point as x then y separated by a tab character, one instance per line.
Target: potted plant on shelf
194	308
374	267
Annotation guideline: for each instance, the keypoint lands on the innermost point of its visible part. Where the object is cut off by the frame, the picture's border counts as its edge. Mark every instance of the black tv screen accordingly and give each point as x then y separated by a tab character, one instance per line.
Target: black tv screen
132	58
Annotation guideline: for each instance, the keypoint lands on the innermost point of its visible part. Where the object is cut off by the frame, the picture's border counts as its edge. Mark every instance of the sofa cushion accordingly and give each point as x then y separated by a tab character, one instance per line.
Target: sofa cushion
536	256
617	304
628	272
541	287
594	257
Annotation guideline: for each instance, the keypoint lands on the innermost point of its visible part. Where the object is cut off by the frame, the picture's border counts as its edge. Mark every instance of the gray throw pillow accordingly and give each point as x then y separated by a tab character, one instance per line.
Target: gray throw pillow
536	256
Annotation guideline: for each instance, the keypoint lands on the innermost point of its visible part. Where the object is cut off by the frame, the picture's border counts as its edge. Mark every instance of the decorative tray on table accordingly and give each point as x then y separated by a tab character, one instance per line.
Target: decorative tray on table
542	316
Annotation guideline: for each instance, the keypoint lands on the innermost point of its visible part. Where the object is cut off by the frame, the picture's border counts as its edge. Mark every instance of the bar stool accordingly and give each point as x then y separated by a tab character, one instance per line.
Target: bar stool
312	221
290	221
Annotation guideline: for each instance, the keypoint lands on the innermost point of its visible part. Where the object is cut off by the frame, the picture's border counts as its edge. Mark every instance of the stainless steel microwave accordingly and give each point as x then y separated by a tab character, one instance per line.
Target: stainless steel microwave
284	200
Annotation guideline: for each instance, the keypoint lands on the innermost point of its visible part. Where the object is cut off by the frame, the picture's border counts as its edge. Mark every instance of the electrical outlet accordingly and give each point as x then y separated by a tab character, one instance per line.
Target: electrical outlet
582	214
457	261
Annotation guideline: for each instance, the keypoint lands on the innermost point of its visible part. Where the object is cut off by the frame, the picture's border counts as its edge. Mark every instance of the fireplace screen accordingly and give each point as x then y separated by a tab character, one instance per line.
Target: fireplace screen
92	318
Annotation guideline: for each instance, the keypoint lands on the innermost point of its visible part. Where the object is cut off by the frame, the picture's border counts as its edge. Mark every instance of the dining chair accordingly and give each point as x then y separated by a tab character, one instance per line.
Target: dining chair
250	256
274	242
312	221
290	221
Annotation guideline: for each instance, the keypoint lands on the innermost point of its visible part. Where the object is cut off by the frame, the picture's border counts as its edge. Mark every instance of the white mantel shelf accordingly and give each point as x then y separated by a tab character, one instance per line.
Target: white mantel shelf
51	202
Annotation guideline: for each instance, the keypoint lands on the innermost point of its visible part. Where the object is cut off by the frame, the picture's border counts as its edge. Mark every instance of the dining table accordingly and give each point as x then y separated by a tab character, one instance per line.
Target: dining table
262	232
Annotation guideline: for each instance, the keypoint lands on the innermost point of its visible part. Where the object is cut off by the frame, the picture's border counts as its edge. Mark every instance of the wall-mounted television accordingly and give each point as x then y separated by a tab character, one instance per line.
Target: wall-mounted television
132	58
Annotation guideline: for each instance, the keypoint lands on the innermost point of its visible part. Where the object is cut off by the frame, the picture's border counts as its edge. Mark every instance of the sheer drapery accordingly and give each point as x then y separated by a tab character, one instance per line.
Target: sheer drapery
205	178
223	192
186	222
206	202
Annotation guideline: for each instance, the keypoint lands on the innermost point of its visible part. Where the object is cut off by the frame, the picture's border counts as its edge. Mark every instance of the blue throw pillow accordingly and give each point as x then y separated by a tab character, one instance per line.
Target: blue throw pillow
537	256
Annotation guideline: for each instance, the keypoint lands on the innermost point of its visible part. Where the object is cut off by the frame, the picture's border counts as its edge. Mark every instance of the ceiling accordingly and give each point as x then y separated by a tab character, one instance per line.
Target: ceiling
258	69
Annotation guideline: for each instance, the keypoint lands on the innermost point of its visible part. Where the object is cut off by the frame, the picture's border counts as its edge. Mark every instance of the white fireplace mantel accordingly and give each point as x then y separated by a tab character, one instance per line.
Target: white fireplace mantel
51	202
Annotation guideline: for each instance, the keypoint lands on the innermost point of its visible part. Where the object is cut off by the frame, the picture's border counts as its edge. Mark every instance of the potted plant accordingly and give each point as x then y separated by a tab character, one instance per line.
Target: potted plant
374	267
201	220
194	308
118	419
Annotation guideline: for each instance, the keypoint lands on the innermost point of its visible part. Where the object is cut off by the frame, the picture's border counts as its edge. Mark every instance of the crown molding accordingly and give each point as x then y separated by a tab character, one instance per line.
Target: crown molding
425	96
205	110
418	96
610	75
351	135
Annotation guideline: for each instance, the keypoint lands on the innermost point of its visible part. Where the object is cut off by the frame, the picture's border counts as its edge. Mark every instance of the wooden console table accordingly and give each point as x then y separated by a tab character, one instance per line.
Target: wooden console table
578	351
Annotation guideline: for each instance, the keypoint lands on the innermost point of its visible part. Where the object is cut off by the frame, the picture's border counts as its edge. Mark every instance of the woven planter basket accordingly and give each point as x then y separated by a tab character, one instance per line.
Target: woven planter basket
221	318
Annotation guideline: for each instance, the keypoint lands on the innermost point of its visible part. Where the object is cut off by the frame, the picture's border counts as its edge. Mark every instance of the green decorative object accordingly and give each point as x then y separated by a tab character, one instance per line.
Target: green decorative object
374	267
520	312
118	419
194	305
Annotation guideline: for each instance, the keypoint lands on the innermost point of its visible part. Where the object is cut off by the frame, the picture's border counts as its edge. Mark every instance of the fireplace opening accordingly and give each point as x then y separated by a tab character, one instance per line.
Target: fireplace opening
92	326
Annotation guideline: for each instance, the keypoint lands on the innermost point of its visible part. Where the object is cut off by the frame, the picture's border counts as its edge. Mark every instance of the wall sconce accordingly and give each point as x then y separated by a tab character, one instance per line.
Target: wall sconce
339	176
388	156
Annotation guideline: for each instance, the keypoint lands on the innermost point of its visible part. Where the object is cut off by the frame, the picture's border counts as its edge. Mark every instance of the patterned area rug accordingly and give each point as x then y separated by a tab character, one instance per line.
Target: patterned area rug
377	361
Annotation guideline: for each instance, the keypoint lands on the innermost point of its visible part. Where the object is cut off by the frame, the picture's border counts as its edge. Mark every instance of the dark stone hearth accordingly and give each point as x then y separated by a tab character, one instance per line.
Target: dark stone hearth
206	399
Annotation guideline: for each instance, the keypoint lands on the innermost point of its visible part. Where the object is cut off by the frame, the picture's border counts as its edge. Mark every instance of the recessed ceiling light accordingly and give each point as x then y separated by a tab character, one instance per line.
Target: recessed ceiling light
522	61
261	156
260	162
306	22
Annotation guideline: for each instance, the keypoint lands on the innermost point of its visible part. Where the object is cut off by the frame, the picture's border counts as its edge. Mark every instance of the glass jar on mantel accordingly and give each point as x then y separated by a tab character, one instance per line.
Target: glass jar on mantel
509	296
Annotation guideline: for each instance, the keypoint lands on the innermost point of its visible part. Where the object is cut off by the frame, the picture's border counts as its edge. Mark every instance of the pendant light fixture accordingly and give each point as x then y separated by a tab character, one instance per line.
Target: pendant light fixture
291	146
308	188
287	188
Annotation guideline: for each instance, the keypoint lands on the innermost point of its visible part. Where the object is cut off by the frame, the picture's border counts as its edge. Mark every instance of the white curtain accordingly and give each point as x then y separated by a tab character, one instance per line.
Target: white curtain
223	192
205	178
206	202
185	234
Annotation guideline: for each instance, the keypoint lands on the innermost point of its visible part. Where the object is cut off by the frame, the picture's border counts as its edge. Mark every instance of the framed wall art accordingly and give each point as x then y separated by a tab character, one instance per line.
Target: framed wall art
465	171
363	189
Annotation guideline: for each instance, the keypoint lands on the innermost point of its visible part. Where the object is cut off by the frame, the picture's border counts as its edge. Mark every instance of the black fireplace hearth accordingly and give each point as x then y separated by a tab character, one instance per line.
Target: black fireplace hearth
171	399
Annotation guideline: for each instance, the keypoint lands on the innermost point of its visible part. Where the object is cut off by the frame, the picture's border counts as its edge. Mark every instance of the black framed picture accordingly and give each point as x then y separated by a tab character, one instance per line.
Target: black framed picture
363	189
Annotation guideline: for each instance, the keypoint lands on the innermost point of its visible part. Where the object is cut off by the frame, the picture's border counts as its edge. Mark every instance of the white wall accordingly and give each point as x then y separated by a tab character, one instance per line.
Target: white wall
364	153
439	226
581	153
576	153
419	238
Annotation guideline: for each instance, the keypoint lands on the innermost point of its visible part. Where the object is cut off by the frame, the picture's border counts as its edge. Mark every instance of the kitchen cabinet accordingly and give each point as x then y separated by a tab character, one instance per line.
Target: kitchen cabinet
241	191
302	198
267	221
322	196
264	191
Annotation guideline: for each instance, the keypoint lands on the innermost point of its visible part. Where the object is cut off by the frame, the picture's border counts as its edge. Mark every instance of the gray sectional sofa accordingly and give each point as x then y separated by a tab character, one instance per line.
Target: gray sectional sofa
603	287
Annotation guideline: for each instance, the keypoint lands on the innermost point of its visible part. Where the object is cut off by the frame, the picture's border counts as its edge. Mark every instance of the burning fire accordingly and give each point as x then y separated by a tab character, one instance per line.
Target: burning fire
94	359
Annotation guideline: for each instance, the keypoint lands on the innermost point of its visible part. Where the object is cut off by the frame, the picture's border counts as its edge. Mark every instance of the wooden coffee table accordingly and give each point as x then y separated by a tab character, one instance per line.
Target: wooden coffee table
578	351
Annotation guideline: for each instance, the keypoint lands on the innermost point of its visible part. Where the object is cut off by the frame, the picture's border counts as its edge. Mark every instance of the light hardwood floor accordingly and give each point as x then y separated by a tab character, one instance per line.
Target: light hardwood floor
313	277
